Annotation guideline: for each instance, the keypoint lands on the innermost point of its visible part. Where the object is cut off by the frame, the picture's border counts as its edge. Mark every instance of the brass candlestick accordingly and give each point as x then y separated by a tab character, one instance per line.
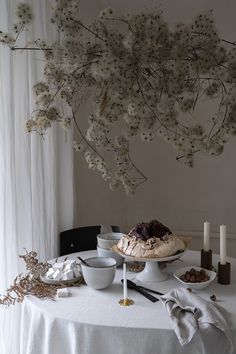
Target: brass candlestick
126	302
206	259
224	273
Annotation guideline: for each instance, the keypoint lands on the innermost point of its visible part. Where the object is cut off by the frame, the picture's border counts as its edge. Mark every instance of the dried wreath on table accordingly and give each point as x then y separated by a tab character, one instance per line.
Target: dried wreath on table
144	80
30	283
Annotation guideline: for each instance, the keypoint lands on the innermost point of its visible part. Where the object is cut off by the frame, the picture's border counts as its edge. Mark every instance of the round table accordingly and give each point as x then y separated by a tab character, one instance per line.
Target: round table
92	321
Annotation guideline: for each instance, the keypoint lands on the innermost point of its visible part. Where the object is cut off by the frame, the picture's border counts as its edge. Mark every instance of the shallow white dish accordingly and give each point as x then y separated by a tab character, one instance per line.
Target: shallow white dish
102	252
47	280
106	241
100	272
196	286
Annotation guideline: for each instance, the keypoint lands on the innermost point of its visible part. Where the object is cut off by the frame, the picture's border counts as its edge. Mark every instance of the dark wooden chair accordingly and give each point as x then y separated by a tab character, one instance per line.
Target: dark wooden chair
80	239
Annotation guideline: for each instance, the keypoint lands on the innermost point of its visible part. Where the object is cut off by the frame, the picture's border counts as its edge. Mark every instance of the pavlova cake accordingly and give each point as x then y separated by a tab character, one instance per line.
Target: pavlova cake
151	240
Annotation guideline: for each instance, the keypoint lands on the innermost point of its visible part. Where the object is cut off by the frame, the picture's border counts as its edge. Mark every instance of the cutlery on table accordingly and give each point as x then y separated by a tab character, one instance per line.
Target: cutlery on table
131	283
83	261
150	290
133	286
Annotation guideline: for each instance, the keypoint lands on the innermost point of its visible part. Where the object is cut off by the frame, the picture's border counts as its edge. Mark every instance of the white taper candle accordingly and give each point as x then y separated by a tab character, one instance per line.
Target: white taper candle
206	240
222	244
124	281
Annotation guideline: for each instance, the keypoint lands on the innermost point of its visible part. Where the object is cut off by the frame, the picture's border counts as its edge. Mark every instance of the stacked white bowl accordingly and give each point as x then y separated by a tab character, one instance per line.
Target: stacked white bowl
105	243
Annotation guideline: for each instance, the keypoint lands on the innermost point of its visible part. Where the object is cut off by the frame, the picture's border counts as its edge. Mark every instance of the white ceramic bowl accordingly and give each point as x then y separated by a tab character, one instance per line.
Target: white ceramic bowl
196	286
100	272
108	240
102	252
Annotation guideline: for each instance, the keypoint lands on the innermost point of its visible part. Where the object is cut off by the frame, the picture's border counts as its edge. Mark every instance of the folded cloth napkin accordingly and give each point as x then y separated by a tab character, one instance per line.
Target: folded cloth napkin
190	313
105	229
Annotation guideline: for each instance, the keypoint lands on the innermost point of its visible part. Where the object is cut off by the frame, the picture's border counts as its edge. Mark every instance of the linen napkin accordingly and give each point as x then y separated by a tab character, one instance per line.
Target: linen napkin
189	313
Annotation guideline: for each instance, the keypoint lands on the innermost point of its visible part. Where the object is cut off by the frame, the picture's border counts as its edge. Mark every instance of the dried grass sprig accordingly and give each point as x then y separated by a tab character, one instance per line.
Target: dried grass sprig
30	283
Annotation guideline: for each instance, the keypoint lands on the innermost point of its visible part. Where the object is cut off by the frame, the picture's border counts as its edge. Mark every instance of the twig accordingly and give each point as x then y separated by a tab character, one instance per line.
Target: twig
29	48
224	40
182	156
83	136
87	29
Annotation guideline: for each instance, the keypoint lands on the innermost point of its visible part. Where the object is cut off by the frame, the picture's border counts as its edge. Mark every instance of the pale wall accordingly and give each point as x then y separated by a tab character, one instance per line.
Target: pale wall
180	197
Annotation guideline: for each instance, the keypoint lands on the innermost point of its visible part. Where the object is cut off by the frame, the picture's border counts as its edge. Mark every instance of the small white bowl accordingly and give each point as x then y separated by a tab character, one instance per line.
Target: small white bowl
196	286
100	272
102	252
106	241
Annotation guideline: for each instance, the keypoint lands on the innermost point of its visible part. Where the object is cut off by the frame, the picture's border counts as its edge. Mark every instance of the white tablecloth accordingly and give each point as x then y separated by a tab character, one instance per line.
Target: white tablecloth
92	322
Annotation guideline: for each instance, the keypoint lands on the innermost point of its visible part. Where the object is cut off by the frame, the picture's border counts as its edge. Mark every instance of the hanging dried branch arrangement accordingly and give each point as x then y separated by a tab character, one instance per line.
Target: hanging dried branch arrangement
30	283
144	80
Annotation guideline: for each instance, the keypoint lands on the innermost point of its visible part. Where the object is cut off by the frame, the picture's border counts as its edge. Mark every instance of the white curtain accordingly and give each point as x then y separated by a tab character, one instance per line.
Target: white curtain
36	176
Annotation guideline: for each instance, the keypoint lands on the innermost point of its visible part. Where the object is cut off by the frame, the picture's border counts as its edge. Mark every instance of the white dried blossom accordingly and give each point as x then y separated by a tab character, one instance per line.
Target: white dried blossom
106	175
145	80
147	135
42	44
24	13
106	13
39	123
121	142
128	42
43	99
187	104
128	184
132	109
6	38
66	123
42	122
53	113
40	87
115	183
78	146
130	190
30	125
215	149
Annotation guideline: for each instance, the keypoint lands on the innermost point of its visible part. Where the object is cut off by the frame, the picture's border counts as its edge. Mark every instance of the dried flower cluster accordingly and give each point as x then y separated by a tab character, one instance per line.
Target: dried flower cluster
30	283
144	80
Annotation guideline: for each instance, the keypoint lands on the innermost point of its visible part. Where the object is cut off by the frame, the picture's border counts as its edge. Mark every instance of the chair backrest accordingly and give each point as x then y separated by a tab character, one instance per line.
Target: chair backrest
80	239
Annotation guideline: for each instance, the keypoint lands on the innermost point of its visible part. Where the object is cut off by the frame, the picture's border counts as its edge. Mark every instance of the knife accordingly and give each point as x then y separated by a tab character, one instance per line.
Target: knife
131	283
151	291
133	286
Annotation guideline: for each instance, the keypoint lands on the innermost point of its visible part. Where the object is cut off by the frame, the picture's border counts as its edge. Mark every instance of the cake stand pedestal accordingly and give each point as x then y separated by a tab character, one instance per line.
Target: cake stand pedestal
152	271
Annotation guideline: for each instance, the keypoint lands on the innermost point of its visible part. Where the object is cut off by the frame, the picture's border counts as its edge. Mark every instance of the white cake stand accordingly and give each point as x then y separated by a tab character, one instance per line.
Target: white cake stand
152	271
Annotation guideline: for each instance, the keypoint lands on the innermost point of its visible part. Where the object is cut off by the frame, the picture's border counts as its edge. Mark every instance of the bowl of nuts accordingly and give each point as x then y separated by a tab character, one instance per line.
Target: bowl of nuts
194	277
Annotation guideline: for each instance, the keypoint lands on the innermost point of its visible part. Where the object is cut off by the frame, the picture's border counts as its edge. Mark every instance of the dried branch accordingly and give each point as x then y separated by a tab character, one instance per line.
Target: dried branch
30	283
